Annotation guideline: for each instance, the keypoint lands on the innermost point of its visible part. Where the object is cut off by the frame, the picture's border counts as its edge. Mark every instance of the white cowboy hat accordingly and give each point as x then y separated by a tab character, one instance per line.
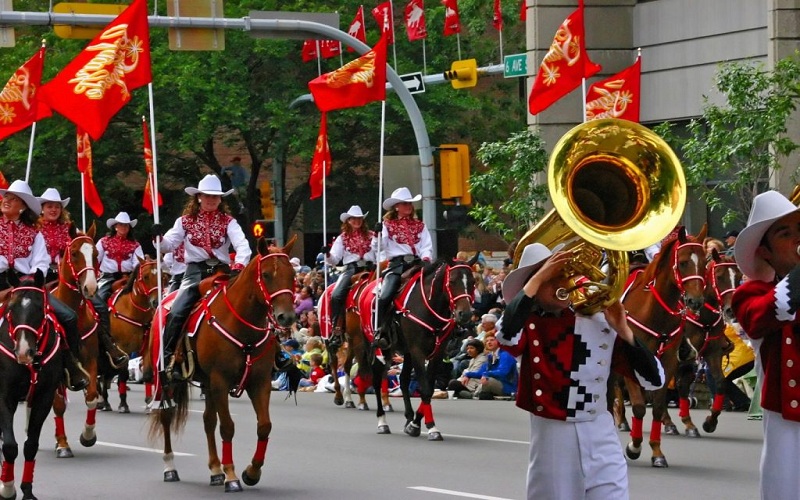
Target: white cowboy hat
23	191
121	218
767	208
532	257
51	195
400	195
355	211
210	184
295	262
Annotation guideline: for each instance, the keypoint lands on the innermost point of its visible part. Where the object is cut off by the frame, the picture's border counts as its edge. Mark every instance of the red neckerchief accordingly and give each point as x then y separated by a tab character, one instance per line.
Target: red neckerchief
16	240
119	249
207	230
357	242
56	237
405	231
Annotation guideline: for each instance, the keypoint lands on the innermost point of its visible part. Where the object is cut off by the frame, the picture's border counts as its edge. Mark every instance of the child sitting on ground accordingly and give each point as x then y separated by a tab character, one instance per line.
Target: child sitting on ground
310	384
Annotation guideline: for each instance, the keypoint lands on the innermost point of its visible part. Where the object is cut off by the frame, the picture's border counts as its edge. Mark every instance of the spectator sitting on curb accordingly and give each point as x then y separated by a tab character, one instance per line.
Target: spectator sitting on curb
498	376
465	387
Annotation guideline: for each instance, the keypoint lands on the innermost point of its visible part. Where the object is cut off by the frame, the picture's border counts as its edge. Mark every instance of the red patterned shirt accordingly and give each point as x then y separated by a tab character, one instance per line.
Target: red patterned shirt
56	237
117	255
405	231
357	242
16	240
207	230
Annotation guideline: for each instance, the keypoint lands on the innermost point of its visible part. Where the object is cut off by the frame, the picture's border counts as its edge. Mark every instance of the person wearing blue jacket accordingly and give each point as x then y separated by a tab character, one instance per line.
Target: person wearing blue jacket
499	374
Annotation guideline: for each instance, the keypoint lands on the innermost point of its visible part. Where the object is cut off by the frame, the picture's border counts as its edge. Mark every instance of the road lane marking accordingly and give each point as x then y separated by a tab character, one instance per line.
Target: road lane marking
487	439
462	494
139	448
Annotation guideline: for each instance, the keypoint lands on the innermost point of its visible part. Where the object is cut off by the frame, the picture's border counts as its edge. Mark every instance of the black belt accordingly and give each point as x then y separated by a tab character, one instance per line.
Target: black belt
407	259
358	264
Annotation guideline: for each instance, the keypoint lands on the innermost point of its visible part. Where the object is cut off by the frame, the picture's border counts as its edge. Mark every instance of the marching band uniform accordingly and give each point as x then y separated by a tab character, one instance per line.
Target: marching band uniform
207	236
353	248
118	255
566	362
405	241
766	306
22	248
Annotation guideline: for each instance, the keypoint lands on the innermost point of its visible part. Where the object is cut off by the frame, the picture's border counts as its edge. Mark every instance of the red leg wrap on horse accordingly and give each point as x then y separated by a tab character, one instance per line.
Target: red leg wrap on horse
655	432
7	472
719	401
122	387
60	426
91	416
362	384
636	428
227	452
27	471
683	407
426	411
261	450
148	390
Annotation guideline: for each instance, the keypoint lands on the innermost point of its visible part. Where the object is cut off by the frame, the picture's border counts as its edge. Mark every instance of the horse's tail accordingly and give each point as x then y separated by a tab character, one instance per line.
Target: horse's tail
174	416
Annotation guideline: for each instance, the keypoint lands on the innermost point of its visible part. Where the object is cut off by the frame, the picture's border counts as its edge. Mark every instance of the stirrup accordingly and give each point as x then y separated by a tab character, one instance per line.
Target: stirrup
120	361
173	371
80	383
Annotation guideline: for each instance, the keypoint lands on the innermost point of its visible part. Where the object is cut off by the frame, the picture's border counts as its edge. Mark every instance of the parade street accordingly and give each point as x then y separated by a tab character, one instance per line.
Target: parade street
319	450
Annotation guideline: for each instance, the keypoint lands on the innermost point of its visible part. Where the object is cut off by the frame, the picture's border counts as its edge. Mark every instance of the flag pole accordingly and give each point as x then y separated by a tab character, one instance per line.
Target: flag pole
501	45
380	219
583	100
458	41
156	220
83	200
33	134
391	27
324	218
424	59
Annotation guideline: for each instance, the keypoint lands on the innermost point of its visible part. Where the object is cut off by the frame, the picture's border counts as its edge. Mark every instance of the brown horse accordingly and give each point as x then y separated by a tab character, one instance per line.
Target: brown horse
77	283
704	335
131	310
234	345
658	300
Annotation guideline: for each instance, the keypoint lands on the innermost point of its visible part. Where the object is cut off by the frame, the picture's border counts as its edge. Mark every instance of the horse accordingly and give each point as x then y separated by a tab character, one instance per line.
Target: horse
354	348
31	368
428	307
704	335
657	299
131	310
233	344
77	284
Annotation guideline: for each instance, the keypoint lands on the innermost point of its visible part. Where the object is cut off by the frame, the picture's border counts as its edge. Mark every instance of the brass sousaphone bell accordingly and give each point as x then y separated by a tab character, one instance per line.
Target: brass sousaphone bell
616	186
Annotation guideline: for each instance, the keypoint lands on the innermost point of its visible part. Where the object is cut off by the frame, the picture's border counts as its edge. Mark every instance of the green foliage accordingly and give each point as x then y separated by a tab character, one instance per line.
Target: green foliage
737	144
507	198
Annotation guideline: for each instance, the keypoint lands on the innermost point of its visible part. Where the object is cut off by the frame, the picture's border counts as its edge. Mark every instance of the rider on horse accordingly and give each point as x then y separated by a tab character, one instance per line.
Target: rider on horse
207	231
405	241
23	249
354	249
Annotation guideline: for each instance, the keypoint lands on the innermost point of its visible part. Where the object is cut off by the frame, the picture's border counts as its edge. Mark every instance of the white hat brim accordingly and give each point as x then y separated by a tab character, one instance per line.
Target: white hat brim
193	191
517	278
749	239
111	222
347	215
390	202
30	201
63	202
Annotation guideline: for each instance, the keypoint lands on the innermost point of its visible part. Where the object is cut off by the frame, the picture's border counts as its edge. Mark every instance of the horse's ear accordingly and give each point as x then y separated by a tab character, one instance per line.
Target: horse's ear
703	233
38	279
288	247
715	256
682	234
141	260
474	259
262	247
92	230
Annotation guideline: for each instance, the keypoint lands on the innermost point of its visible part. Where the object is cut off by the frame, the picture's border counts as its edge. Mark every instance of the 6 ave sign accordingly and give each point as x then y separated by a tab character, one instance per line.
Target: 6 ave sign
515	65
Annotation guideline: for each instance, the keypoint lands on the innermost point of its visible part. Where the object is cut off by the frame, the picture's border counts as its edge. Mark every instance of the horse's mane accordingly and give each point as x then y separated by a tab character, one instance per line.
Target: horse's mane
131	280
661	259
433	266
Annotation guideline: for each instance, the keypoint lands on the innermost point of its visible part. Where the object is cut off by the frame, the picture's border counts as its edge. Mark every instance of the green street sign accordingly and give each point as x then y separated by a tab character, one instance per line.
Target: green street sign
515	65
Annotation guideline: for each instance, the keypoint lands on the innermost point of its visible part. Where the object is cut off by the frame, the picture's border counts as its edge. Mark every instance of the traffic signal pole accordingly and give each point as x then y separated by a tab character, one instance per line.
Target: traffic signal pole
277	27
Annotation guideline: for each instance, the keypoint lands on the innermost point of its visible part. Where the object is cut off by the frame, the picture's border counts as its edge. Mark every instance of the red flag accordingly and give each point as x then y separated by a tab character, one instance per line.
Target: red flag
415	20
564	65
357	83
90	193
95	85
385	18
616	96
523	10
356	29
309	52
330	48
19	101
497	18
3	181
322	159
147	201
452	22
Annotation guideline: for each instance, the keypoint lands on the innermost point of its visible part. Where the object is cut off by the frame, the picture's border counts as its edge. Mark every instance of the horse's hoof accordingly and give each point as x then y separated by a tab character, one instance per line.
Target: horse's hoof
27	491
671	430
363	407
123	409
64	453
388	408
250	481
659	462
624	427
217	480
412	430
13	494
384	429
171	476
337	400
435	436
233	486
709	427
632	452
692	433
104	406
349	404
88	443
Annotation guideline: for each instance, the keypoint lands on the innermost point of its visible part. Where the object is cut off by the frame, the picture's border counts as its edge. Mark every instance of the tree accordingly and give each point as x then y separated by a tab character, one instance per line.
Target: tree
507	198
733	147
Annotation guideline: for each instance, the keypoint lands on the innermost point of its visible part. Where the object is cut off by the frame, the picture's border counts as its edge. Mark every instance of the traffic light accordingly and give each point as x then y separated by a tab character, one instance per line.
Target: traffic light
267	205
263	229
456	217
454	169
462	74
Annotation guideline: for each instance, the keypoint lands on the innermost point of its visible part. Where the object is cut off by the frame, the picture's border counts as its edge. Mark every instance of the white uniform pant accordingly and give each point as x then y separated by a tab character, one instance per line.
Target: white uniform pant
576	460
779	458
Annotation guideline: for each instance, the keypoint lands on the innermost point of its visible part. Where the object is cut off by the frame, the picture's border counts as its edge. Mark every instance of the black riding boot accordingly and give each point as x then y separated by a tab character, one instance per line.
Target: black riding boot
181	309
116	356
77	377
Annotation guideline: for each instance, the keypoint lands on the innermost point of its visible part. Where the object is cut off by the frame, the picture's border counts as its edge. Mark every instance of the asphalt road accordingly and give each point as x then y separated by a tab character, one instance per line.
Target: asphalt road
318	450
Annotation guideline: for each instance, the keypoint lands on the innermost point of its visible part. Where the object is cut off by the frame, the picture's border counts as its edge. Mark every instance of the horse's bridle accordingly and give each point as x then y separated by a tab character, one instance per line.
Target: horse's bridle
40	333
71	265
447	324
680	279
139	289
716	311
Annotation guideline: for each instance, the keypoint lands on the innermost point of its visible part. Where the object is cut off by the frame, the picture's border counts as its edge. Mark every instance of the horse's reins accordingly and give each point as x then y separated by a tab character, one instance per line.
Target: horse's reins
71	265
695	318
139	289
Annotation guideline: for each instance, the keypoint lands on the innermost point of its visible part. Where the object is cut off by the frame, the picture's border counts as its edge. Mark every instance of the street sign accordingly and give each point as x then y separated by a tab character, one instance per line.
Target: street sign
196	38
7	37
515	65
414	82
83	32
